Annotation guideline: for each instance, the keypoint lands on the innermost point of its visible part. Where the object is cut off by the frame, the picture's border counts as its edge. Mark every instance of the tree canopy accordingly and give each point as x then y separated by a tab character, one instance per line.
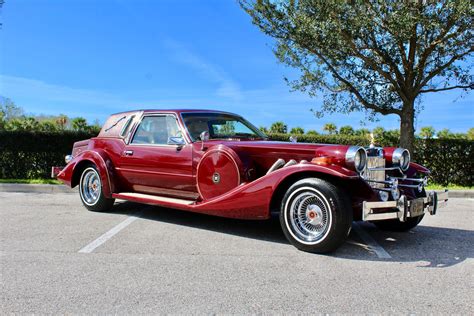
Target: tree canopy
373	56
297	130
279	127
13	118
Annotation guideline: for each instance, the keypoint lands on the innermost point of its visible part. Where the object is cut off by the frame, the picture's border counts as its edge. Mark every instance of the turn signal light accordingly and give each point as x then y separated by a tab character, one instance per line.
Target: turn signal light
325	160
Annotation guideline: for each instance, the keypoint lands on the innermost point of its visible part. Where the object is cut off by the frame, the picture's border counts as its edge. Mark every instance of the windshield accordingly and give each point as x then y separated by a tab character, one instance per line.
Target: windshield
220	126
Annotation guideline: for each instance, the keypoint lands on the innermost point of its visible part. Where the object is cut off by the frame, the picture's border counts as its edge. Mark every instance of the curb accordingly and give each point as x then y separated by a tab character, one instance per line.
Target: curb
461	194
58	188
35	188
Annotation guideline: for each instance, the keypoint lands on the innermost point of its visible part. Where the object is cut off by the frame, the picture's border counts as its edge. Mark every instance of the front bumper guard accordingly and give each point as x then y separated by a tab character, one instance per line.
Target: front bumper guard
405	208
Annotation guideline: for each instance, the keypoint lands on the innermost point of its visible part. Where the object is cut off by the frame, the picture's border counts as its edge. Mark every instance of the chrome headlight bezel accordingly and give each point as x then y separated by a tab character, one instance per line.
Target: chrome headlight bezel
401	158
356	158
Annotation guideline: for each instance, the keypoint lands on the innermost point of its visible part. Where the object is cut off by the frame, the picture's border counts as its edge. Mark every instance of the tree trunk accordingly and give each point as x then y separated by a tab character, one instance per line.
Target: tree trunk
407	127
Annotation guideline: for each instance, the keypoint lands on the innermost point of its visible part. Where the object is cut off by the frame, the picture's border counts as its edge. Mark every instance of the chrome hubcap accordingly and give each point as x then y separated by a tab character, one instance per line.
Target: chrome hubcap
309	216
314	215
90	187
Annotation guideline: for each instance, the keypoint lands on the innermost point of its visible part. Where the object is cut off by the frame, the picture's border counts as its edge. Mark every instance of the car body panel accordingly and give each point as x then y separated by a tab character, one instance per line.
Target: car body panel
224	177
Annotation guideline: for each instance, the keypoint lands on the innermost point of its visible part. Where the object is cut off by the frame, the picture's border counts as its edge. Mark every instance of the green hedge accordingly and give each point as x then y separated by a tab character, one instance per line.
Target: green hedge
451	161
29	155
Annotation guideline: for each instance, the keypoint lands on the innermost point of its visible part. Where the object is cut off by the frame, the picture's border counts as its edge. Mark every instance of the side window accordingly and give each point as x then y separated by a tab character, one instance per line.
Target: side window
156	130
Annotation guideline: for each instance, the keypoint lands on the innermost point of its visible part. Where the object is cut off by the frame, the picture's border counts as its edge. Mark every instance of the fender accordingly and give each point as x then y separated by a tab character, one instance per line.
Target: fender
103	163
252	200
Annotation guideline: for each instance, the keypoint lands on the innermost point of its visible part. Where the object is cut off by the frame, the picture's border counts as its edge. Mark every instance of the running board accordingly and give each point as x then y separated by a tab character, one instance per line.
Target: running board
152	199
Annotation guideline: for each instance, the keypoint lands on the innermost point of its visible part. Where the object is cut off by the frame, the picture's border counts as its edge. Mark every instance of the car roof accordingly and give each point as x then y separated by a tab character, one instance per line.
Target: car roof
177	111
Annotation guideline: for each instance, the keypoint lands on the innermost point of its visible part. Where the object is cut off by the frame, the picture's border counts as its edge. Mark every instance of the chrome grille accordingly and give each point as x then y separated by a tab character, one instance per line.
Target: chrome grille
375	175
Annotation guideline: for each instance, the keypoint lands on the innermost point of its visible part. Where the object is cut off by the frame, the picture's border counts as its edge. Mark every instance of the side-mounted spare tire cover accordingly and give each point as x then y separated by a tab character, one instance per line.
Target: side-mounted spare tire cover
218	172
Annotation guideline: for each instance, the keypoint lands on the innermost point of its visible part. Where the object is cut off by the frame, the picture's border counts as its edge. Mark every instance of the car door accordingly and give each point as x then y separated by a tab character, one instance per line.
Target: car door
157	160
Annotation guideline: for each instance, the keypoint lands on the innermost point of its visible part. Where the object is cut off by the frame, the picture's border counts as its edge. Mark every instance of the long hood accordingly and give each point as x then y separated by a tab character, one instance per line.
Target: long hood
265	153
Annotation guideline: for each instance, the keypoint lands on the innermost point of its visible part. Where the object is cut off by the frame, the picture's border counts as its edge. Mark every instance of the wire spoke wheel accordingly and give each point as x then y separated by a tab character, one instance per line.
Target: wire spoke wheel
316	215
309	215
90	186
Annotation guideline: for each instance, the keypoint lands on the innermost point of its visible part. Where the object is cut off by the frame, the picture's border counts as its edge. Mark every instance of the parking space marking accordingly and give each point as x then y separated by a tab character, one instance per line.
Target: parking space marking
370	242
102	239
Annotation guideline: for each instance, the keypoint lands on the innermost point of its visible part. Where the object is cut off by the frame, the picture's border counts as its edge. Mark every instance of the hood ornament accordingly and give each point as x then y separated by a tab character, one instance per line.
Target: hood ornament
293	139
372	141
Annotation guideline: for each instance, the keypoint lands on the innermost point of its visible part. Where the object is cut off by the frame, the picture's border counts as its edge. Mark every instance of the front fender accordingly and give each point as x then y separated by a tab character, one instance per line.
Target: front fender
416	168
69	175
252	200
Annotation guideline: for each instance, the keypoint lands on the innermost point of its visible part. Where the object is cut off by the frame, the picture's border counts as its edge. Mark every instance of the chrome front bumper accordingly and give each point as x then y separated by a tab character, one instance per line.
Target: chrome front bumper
404	208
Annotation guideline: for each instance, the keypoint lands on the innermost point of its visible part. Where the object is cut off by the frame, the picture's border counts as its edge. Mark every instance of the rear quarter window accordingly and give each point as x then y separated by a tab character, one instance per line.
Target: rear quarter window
126	127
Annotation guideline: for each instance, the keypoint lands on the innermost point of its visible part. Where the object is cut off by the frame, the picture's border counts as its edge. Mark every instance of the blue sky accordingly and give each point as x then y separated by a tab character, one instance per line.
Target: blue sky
92	58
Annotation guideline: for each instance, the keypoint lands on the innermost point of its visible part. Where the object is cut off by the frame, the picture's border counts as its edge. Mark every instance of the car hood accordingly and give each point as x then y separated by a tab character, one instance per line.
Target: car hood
265	153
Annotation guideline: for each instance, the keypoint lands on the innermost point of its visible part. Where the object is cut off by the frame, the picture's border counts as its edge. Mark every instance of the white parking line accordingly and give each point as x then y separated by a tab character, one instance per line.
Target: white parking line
102	239
370	242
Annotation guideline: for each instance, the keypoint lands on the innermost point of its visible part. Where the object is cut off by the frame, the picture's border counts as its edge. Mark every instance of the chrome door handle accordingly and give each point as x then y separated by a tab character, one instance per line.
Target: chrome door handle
128	152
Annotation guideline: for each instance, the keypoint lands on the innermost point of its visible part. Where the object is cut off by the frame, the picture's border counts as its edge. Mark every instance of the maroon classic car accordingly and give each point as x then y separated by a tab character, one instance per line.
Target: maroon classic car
218	163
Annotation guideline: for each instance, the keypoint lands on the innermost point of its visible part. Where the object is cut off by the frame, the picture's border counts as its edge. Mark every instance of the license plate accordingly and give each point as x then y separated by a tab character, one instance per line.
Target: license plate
416	207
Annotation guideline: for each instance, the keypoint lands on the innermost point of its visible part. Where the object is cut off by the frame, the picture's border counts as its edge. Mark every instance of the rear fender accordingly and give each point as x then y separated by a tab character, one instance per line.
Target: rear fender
71	174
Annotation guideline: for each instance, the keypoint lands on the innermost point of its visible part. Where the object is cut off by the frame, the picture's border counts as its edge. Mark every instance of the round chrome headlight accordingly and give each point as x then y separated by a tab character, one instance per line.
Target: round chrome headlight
356	158
401	158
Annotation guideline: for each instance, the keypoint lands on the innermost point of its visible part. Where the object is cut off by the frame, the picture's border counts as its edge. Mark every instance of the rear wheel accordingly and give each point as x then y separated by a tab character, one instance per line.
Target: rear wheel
315	216
91	191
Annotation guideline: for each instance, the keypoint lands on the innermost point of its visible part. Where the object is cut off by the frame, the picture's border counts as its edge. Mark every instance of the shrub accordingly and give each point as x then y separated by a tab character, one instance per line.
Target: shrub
28	155
451	161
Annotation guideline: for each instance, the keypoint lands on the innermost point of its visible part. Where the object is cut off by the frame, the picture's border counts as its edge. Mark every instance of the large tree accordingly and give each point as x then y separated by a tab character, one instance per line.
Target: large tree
375	56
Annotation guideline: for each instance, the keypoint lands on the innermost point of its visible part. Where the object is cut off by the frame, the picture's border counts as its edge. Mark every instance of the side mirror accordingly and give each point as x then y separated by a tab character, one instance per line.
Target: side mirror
204	138
176	141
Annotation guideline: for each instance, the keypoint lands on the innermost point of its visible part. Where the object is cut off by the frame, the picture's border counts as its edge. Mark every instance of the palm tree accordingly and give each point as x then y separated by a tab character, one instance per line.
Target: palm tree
331	128
79	124
346	130
297	131
427	132
279	127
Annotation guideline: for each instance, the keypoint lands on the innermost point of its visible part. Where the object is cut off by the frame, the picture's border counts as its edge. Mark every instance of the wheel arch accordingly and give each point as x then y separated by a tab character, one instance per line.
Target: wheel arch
350	187
104	166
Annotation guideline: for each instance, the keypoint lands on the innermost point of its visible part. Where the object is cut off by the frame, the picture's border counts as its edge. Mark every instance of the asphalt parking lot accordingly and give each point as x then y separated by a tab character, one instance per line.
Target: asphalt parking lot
56	257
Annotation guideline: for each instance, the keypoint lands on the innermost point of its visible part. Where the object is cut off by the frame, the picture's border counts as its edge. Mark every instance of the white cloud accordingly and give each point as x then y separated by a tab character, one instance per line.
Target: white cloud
227	87
19	88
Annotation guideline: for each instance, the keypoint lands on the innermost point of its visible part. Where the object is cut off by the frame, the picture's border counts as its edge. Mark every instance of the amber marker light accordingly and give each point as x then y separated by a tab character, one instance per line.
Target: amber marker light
325	160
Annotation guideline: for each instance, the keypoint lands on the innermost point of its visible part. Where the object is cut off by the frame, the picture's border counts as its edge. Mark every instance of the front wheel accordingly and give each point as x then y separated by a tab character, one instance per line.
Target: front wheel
91	191
316	216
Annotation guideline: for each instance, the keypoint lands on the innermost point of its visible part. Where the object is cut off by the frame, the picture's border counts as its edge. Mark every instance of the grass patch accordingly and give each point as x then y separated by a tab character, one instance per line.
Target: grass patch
31	181
449	187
